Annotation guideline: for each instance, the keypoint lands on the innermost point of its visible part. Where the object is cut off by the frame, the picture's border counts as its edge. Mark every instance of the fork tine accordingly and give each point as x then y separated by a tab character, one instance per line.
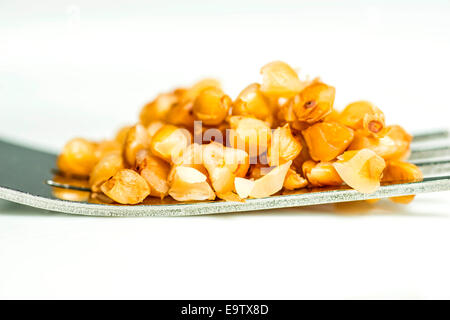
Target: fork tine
200	208
430	144
434	168
22	183
426	152
432	162
428	184
65	186
420	156
428	135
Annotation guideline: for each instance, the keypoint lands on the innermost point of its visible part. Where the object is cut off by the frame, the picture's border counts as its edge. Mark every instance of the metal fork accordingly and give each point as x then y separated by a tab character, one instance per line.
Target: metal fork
24	173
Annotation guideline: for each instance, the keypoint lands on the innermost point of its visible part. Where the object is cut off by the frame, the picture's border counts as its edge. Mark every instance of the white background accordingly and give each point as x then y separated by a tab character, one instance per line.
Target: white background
84	68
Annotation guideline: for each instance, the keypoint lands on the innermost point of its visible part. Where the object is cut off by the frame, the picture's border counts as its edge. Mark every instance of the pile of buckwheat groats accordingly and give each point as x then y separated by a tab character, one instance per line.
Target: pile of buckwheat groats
197	143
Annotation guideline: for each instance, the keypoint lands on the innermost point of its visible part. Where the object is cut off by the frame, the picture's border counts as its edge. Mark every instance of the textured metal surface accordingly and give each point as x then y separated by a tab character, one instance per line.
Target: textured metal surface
23	172
200	208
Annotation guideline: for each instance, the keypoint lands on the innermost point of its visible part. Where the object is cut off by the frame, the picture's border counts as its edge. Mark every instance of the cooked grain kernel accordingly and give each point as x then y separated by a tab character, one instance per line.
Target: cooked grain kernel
401	172
394	145
270	183
169	142
211	106
283	146
251	102
314	102
181	115
294	180
121	135
327	140
280	80
363	115
192	93
78	157
223	165
249	134
321	174
155	171
189	184
153	127
158	109
126	187
362	170
107	167
258	170
192	157
137	139
107	147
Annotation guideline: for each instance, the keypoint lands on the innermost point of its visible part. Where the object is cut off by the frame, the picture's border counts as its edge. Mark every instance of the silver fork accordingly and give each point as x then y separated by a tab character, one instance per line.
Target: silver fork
25	176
